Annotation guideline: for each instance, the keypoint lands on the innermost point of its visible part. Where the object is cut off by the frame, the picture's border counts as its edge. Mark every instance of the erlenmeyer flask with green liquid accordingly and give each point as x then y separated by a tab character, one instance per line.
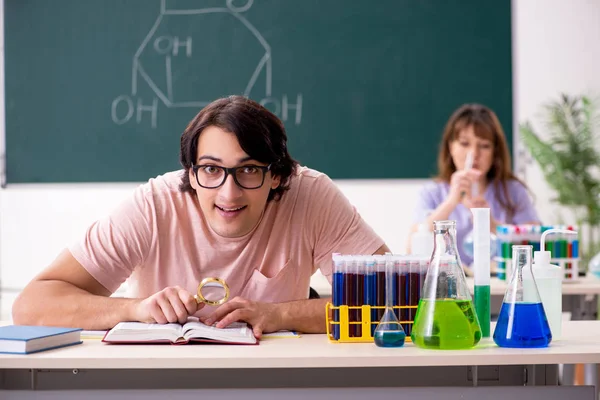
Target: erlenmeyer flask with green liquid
446	318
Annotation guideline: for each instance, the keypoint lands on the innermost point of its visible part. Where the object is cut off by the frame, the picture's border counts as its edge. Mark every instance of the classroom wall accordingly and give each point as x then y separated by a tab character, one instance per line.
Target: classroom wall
555	49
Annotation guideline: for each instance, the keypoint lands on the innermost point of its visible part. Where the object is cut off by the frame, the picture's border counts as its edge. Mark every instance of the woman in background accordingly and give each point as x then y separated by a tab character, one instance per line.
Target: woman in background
474	132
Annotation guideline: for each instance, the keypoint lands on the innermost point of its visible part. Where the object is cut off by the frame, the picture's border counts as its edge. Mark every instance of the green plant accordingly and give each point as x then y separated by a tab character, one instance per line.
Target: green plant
569	161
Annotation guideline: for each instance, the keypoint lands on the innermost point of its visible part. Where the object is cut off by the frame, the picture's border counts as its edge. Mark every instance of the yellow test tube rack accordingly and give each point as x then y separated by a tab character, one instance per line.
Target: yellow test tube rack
344	322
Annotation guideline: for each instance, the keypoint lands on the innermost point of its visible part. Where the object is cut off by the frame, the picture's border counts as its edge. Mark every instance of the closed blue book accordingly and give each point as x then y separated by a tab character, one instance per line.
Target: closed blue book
22	339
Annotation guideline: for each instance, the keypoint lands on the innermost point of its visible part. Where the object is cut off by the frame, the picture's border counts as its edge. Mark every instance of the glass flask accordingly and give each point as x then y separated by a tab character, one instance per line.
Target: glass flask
522	321
446	318
389	331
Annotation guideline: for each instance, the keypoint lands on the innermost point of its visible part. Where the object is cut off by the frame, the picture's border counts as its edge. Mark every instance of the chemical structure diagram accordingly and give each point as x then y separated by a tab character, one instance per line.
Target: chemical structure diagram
171	51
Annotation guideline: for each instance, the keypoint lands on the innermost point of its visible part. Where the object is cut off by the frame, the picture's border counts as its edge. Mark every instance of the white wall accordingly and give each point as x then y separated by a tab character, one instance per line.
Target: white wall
555	49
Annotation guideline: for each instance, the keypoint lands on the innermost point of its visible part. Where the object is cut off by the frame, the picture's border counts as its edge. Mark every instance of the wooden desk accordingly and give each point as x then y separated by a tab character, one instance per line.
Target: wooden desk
307	362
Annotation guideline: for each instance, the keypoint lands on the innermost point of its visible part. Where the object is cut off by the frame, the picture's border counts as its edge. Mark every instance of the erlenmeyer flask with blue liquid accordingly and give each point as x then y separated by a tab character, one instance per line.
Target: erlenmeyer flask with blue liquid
522	322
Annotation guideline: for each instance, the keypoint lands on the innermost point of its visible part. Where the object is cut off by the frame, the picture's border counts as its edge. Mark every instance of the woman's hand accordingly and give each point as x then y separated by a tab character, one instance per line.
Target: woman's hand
461	183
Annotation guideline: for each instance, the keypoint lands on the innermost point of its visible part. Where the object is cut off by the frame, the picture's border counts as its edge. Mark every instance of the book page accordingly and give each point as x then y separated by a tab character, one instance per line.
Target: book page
281	334
140	332
237	332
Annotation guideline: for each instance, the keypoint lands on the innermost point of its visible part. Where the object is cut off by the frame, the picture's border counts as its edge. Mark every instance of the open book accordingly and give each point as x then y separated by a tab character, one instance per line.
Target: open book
192	331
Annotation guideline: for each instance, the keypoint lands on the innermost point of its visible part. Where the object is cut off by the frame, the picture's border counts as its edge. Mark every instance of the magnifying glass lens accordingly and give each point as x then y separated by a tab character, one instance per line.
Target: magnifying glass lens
212	291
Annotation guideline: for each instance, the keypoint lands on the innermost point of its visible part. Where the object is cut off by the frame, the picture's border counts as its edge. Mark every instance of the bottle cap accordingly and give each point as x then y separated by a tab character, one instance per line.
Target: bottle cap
542	257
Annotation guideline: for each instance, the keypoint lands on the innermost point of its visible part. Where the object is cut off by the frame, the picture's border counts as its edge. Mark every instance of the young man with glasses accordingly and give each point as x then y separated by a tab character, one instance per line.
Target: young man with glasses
241	210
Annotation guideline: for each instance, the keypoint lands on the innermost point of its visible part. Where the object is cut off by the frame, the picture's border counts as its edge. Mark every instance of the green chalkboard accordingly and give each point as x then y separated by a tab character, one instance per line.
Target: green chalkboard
100	91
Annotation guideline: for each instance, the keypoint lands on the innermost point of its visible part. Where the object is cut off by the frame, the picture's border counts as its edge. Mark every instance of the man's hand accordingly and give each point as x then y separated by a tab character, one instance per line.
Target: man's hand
263	317
172	304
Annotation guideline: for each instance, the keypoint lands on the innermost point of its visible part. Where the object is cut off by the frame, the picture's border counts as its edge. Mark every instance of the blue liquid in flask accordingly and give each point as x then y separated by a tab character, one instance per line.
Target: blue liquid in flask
522	325
391	338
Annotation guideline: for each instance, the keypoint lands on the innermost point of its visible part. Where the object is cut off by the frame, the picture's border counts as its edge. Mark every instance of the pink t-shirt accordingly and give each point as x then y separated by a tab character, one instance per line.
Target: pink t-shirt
159	237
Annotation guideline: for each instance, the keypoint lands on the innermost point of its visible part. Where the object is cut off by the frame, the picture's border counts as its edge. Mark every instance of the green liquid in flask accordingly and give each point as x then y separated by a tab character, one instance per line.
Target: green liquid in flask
446	324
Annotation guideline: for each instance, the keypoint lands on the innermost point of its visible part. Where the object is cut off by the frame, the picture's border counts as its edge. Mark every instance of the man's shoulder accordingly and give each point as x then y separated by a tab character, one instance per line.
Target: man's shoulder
167	182
309	173
305	179
164	187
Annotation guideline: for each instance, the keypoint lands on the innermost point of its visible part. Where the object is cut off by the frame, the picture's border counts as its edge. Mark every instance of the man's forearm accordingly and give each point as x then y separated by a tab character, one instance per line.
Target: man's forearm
56	303
307	316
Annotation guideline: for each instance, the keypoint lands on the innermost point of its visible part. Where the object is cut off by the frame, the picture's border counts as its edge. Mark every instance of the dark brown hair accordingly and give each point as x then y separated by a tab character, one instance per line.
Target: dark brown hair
486	125
259	132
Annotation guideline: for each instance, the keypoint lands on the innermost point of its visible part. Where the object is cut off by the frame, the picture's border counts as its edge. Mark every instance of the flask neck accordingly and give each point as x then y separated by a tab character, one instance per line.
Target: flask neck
445	240
521	259
445	277
522	286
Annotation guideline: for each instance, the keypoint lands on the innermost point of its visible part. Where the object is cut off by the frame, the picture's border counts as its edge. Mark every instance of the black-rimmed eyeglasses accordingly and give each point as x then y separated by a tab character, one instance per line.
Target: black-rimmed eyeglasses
211	176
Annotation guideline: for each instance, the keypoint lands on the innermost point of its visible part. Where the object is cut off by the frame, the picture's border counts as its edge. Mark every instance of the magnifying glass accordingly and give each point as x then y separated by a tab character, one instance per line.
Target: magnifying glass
212	291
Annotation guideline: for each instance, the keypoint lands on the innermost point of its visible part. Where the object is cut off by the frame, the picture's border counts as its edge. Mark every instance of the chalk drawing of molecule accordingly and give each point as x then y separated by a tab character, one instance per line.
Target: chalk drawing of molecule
183	42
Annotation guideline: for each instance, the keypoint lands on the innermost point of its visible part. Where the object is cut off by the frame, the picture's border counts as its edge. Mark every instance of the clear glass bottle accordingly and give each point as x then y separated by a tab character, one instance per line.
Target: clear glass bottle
445	318
522	322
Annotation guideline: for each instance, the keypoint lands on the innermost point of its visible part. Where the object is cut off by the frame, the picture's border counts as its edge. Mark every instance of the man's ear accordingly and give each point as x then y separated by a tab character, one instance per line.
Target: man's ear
275	182
193	179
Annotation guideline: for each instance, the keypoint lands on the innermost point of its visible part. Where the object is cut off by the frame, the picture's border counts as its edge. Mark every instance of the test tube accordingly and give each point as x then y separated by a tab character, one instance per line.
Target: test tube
395	260
413	288
380	287
370	288
503	250
556	247
350	291
360	291
337	291
403	291
575	252
396	290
